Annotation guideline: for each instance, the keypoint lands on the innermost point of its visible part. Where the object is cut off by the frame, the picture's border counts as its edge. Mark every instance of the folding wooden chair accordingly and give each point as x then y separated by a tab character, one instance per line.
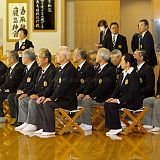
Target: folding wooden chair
6	110
136	117
67	122
98	115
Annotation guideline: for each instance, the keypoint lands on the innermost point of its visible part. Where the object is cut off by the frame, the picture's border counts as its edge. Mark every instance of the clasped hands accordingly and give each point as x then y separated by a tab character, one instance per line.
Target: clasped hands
111	100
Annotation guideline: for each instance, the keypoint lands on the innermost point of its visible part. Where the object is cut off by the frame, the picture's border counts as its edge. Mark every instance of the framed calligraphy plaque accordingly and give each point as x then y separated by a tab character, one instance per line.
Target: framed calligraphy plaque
44	15
17	17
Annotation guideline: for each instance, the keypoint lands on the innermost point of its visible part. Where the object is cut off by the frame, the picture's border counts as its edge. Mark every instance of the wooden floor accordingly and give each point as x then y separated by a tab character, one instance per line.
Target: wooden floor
16	146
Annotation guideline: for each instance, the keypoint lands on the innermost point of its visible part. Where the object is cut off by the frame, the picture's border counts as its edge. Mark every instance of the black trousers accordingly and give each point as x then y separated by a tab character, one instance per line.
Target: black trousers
3	96
46	117
112	119
13	104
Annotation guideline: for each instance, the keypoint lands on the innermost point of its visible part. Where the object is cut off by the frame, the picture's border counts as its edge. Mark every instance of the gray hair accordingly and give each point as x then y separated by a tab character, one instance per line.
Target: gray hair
47	53
65	50
142	53
14	55
29	53
104	53
117	52
82	53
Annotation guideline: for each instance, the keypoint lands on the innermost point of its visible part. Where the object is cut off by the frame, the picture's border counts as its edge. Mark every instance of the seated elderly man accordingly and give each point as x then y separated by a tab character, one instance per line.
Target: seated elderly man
63	95
145	74
10	80
27	83
44	78
116	58
151	120
85	73
104	83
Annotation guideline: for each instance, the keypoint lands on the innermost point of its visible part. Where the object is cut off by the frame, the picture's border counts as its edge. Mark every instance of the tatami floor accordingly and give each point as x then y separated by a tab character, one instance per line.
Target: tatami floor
95	146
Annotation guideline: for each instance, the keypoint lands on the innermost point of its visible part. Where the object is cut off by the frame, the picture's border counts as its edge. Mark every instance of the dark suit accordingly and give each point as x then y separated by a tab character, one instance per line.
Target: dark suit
121	44
118	72
147	81
129	97
103	37
3	68
105	81
9	83
148	45
64	96
85	79
26	84
135	43
43	81
104	84
25	45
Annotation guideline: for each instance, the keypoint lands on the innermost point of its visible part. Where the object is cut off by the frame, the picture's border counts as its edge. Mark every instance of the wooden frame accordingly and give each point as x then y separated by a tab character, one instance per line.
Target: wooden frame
136	117
44	15
17	17
68	123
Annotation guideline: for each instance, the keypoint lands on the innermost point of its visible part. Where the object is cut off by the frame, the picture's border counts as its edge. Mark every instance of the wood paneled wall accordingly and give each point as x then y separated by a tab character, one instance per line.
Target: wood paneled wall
156	9
87	15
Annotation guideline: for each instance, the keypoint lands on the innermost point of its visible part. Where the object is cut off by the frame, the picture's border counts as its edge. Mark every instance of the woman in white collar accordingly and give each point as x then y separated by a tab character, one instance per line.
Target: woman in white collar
125	95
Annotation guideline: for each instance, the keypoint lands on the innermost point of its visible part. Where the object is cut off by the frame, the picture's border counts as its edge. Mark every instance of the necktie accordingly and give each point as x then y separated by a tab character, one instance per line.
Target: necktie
78	68
117	69
41	75
99	70
140	41
113	41
10	71
26	70
103	35
59	69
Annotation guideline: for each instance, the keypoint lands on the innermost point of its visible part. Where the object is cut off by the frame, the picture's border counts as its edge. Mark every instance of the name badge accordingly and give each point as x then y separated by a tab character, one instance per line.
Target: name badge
117	77
28	79
59	80
126	82
100	81
119	46
45	84
141	80
23	47
82	81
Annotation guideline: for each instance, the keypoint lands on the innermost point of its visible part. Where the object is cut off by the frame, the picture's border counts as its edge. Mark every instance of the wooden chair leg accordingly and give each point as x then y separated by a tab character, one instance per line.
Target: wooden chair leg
70	122
136	120
6	110
98	114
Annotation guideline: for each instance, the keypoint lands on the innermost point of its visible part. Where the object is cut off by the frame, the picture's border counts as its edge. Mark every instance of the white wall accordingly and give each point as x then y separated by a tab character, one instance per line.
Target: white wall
50	40
1	31
3	19
131	12
70	23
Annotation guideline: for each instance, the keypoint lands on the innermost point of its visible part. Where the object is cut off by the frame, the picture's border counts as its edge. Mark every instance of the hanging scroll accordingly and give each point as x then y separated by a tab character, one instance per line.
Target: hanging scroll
17	12
44	15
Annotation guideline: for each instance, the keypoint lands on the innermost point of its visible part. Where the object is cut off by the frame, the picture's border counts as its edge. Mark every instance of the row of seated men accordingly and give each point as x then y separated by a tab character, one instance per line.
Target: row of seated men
35	90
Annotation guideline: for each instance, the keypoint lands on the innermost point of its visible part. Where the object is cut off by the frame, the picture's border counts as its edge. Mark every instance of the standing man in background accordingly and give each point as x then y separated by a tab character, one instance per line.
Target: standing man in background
147	42
116	40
